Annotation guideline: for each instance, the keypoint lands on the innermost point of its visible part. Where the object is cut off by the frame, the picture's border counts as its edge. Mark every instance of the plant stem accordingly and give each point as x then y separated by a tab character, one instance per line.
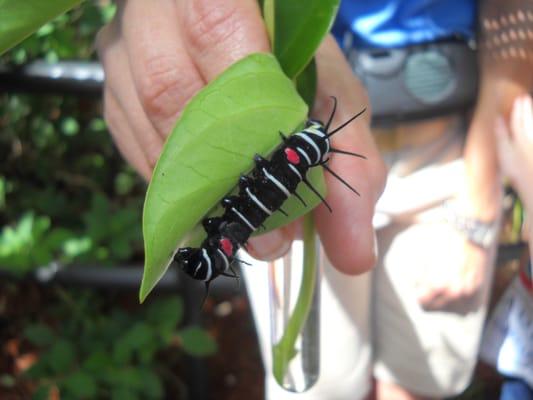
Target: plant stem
284	351
269	17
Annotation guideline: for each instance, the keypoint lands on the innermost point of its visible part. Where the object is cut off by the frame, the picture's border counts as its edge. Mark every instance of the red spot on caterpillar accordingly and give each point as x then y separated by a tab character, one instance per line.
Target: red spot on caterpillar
226	246
292	156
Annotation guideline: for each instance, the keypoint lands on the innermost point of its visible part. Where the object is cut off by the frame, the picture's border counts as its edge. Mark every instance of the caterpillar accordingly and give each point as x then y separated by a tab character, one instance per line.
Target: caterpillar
261	193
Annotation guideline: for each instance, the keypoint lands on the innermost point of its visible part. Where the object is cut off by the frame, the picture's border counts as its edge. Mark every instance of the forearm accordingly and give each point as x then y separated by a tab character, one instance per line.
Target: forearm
483	187
505	73
505	40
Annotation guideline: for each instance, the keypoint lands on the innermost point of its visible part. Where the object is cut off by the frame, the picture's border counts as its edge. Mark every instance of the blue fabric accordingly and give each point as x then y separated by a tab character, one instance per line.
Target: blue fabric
515	389
396	23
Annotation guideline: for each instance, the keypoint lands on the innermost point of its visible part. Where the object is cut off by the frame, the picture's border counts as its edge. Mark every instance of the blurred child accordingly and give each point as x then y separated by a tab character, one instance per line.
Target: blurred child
508	341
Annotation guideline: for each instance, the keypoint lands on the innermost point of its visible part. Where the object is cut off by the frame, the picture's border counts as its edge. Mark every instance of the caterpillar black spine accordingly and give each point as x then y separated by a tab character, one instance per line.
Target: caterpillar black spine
261	193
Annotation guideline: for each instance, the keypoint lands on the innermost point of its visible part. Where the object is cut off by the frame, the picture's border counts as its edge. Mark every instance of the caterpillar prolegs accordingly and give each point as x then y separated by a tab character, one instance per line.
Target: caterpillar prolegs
261	193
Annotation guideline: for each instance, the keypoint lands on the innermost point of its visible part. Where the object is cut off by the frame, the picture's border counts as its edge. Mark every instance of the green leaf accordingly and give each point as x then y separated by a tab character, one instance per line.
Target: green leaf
306	83
129	377
300	27
165	315
197	342
19	19
136	338
122	393
97	362
70	127
19	245
74	246
42	392
152	386
236	116
39	334
80	385
124	182
61	356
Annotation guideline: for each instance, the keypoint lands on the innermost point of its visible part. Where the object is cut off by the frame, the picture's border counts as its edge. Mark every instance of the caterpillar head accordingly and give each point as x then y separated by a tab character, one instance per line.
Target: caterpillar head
188	258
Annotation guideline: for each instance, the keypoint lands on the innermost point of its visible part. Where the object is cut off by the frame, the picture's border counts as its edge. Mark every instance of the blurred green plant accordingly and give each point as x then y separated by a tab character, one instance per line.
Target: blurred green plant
86	350
69	35
65	193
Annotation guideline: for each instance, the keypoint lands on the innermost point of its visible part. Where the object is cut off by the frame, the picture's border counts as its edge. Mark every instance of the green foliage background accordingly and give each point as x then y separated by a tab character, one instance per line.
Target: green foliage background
65	193
92	353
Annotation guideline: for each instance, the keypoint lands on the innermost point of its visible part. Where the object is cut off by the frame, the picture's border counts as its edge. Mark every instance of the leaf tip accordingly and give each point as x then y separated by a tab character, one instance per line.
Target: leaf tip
145	290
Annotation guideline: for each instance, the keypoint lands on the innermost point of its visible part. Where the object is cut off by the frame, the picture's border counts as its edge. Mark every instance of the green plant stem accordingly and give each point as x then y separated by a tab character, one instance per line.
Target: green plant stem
284	351
268	15
517	220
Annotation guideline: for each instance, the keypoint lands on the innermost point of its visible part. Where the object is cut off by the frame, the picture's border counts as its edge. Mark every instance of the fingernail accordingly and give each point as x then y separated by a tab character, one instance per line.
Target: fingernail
269	246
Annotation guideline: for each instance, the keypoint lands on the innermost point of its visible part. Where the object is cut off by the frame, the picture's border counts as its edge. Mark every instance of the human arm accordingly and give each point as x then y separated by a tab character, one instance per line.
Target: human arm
505	74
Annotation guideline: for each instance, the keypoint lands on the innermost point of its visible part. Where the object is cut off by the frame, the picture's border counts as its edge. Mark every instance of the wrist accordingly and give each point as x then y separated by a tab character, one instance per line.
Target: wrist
481	197
481	232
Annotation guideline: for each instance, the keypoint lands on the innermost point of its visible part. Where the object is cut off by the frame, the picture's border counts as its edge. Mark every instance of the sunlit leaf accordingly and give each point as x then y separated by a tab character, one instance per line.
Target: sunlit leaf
236	116
300	26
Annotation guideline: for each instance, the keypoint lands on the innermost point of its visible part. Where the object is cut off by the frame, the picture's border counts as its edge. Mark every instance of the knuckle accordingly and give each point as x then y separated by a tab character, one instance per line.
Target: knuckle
208	23
163	88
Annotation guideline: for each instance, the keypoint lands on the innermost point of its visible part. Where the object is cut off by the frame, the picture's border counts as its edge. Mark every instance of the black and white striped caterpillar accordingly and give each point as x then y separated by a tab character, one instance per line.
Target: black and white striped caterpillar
261	193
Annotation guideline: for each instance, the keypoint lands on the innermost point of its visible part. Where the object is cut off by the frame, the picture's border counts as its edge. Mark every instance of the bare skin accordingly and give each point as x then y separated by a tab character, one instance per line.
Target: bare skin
515	147
158	54
503	79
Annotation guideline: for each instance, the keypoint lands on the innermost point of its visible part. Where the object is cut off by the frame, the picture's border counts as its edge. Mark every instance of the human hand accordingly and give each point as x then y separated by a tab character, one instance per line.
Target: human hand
157	54
515	148
480	195
505	75
454	281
